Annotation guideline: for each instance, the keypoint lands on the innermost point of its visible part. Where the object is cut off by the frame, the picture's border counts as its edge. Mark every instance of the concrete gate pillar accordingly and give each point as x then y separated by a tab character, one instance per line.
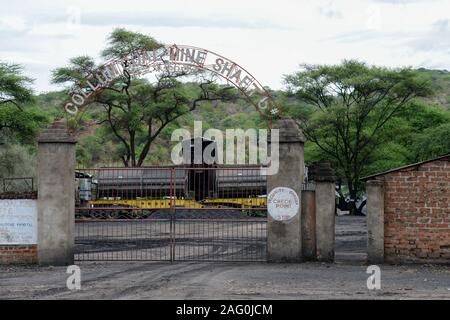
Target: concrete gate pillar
56	195
284	240
375	221
325	211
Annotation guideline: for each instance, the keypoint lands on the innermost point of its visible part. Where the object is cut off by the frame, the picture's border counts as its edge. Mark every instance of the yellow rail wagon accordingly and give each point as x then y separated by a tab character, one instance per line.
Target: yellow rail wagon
153	188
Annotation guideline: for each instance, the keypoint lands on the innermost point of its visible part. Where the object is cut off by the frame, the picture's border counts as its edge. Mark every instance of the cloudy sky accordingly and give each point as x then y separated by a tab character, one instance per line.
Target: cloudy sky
268	38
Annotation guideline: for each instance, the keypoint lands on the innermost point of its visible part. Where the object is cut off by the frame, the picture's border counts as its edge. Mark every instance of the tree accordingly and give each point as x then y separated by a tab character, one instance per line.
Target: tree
353	102
14	86
433	142
19	125
17	161
413	135
16	121
136	111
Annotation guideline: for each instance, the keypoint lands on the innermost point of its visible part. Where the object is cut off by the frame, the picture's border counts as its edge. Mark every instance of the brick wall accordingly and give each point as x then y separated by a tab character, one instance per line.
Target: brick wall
417	213
20	254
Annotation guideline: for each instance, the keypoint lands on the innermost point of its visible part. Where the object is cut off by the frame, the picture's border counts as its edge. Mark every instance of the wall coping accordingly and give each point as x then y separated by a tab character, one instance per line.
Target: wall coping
57	132
289	131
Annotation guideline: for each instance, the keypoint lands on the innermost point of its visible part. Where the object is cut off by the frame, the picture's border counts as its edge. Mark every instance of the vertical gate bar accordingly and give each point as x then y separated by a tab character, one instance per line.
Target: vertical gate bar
139	243
201	231
172	215
174	212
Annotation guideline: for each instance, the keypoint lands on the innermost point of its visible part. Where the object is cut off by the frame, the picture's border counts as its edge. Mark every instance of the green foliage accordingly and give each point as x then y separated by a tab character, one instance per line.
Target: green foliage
122	42
20	121
410	127
353	103
415	133
21	126
401	141
135	111
440	84
433	142
17	161
77	71
389	155
17	120
14	86
352	114
90	151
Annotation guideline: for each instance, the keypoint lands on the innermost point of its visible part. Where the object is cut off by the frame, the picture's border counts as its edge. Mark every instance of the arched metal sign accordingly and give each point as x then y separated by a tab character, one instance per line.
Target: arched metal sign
173	58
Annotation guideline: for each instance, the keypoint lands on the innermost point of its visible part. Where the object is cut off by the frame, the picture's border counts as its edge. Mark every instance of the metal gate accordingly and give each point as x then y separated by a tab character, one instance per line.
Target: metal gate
171	214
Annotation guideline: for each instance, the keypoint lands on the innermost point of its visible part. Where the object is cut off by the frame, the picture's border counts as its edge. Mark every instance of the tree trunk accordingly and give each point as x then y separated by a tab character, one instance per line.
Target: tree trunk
133	147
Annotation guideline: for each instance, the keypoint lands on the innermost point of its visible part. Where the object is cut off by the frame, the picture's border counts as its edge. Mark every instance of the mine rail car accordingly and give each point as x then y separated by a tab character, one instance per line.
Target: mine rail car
153	188
139	182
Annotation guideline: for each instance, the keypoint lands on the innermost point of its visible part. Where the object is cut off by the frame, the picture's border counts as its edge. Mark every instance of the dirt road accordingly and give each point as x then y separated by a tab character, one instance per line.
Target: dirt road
351	239
345	279
193	280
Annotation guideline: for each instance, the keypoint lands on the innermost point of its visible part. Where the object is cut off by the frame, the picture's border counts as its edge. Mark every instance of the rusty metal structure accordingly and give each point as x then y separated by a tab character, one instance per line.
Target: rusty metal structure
176	59
18	188
18	184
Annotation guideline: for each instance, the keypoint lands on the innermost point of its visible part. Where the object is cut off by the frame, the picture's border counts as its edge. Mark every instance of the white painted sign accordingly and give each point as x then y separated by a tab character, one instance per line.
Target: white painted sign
283	203
18	221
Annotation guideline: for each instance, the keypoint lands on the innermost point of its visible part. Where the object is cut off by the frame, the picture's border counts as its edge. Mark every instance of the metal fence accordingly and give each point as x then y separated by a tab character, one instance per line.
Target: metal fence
17	188
171	214
22	184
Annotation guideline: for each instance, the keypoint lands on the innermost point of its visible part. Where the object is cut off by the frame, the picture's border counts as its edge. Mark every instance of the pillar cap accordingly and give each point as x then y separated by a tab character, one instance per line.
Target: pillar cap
321	172
375	182
57	132
289	131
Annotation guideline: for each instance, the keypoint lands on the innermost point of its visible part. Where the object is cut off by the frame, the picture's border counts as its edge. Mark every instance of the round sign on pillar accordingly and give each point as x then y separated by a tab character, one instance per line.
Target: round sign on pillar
283	203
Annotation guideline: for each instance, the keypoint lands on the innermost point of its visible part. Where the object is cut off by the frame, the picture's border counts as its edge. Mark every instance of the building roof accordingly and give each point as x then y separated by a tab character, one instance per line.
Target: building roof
417	164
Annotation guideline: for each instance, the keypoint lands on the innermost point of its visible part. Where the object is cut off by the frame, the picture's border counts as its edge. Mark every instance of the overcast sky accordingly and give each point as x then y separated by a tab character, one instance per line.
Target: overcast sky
268	38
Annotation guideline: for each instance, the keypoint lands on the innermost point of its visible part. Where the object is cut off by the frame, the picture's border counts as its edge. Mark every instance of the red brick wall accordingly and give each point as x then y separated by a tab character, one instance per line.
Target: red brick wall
20	254
417	213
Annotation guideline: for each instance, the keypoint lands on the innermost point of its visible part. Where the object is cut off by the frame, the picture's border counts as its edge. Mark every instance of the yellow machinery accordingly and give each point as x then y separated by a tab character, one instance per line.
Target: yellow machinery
242	203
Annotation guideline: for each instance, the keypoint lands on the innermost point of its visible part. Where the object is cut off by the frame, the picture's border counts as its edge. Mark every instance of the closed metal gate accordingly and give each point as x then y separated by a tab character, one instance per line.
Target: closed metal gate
171	214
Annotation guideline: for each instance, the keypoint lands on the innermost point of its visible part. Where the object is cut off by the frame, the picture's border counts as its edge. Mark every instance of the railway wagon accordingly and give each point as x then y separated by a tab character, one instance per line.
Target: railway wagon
189	185
241	183
186	183
139	183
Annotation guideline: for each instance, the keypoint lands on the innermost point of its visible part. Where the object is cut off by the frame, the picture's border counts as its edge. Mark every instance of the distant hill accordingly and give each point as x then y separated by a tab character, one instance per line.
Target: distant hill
53	102
92	148
217	115
440	83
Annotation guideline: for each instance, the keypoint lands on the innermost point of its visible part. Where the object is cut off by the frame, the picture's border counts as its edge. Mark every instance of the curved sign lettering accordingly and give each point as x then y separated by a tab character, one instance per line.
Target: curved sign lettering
173	58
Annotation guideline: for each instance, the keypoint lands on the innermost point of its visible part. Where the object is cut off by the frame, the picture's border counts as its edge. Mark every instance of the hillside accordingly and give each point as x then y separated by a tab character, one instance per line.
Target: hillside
95	147
440	84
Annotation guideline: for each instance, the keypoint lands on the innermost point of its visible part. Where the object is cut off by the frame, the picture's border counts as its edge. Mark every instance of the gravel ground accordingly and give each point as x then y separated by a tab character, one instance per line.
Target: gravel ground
344	279
144	280
351	239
